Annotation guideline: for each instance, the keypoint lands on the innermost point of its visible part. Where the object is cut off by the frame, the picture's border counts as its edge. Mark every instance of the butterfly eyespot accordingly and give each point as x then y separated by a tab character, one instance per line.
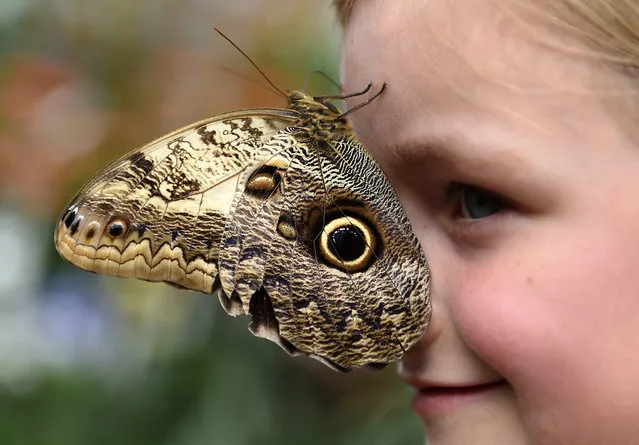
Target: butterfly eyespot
90	233
286	226
74	227
70	217
264	182
348	243
116	228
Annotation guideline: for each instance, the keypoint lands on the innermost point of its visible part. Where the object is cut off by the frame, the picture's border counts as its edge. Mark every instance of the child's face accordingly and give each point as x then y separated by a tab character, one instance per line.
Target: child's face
535	279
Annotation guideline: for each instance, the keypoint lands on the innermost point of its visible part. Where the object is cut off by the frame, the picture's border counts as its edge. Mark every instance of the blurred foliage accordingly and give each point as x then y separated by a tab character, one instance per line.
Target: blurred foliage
87	359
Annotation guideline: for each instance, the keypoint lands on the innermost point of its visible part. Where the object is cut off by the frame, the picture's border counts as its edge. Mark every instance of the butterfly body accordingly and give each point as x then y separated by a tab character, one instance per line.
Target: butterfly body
281	213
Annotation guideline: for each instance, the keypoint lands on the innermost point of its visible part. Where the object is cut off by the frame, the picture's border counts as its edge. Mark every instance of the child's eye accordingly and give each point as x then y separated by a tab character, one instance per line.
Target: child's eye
476	203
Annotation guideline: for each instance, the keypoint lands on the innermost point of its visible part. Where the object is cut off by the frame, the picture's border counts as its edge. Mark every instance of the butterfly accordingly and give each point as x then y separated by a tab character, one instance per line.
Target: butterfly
280	213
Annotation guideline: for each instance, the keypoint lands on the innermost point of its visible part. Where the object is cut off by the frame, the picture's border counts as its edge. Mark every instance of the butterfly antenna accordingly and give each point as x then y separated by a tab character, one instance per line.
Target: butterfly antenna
248	78
325	76
251	62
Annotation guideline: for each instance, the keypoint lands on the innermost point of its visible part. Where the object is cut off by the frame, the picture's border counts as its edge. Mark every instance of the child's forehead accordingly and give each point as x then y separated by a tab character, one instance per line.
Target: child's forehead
476	60
464	48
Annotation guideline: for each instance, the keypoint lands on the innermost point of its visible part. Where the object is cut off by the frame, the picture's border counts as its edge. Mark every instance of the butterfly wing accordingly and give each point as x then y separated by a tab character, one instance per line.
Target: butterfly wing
159	212
344	277
281	213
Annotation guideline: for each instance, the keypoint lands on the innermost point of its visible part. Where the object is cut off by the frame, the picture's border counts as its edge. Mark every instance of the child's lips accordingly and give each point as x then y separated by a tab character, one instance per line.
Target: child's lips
436	399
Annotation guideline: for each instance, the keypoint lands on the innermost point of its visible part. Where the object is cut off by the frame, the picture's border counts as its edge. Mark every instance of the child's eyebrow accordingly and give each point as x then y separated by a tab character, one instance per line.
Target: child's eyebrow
454	153
500	163
432	149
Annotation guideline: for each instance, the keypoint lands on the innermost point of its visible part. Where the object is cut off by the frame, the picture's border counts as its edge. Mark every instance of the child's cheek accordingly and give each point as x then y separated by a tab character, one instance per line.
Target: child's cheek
492	316
559	324
556	321
518	314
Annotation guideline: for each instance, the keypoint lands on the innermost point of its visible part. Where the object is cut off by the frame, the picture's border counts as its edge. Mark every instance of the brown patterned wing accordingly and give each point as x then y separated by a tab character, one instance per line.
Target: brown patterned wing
158	213
279	212
321	231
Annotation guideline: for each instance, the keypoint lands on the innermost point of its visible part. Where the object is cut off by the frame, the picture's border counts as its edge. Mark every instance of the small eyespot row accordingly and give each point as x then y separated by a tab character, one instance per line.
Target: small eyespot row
116	228
70	217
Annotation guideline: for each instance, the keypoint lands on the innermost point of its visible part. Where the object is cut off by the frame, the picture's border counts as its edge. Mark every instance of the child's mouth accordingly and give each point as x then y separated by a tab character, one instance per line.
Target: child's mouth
436	400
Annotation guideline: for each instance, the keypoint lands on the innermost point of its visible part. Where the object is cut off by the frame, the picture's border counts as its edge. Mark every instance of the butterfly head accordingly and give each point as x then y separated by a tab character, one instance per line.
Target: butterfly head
318	118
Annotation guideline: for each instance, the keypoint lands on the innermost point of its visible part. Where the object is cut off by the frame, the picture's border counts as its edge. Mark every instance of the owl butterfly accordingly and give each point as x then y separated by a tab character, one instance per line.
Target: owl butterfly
279	212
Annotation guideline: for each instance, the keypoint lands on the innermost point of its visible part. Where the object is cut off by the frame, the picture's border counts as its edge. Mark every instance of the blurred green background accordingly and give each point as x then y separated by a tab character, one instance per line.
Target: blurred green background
86	359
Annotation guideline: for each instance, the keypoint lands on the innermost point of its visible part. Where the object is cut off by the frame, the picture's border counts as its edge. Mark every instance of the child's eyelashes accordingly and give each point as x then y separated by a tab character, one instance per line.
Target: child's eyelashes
476	216
472	203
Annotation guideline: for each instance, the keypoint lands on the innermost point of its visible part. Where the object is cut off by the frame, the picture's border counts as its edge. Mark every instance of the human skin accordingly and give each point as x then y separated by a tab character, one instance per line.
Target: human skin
534	258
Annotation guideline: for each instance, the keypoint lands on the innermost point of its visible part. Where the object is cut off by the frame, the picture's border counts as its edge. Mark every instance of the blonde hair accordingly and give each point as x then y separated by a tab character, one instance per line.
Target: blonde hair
611	26
343	9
